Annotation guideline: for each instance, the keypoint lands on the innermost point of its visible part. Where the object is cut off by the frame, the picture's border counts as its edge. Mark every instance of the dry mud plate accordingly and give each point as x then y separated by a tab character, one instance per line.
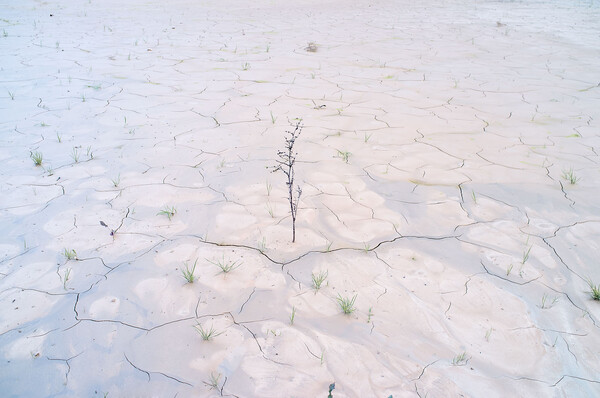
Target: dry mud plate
449	169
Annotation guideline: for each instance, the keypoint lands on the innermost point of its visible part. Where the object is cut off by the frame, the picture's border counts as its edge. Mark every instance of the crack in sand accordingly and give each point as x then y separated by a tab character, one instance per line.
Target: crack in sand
148	373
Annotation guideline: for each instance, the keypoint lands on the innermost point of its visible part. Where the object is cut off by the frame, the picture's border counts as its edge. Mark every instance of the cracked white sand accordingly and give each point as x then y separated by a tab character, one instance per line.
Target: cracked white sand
432	160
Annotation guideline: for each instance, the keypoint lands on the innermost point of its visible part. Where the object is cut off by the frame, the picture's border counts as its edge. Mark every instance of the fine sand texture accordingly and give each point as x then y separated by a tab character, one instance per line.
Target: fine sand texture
449	165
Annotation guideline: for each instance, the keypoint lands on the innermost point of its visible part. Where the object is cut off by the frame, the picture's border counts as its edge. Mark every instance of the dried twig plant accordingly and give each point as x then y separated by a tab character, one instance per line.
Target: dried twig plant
285	163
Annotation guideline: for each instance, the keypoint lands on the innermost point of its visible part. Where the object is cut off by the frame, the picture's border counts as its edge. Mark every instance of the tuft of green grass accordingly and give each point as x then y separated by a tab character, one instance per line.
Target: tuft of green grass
318	279
245	66
273	118
460	359
347	304
207	334
225	266
594	290
168	211
37	157
188	273
70	254
570	176
293	316
11	95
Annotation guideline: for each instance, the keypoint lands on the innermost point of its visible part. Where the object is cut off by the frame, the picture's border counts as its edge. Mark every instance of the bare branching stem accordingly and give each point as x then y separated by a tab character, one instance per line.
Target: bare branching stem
285	163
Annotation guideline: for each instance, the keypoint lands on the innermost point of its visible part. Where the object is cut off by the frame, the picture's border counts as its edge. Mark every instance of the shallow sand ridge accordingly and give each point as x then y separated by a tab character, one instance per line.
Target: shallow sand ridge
449	169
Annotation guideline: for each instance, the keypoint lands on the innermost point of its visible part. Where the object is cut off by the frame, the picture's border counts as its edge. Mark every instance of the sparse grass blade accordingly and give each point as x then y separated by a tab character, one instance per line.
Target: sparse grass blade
75	154
116	181
526	255
66	277
213	381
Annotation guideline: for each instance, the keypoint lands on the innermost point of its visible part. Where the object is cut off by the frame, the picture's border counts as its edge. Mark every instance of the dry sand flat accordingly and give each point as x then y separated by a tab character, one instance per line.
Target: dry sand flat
435	139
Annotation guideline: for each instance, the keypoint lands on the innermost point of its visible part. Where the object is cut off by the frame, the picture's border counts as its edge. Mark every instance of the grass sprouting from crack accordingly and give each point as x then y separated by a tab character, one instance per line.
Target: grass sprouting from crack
70	254
262	245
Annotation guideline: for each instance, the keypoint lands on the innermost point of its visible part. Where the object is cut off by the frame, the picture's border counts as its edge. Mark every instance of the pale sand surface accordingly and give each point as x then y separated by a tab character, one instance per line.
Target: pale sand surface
451	221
